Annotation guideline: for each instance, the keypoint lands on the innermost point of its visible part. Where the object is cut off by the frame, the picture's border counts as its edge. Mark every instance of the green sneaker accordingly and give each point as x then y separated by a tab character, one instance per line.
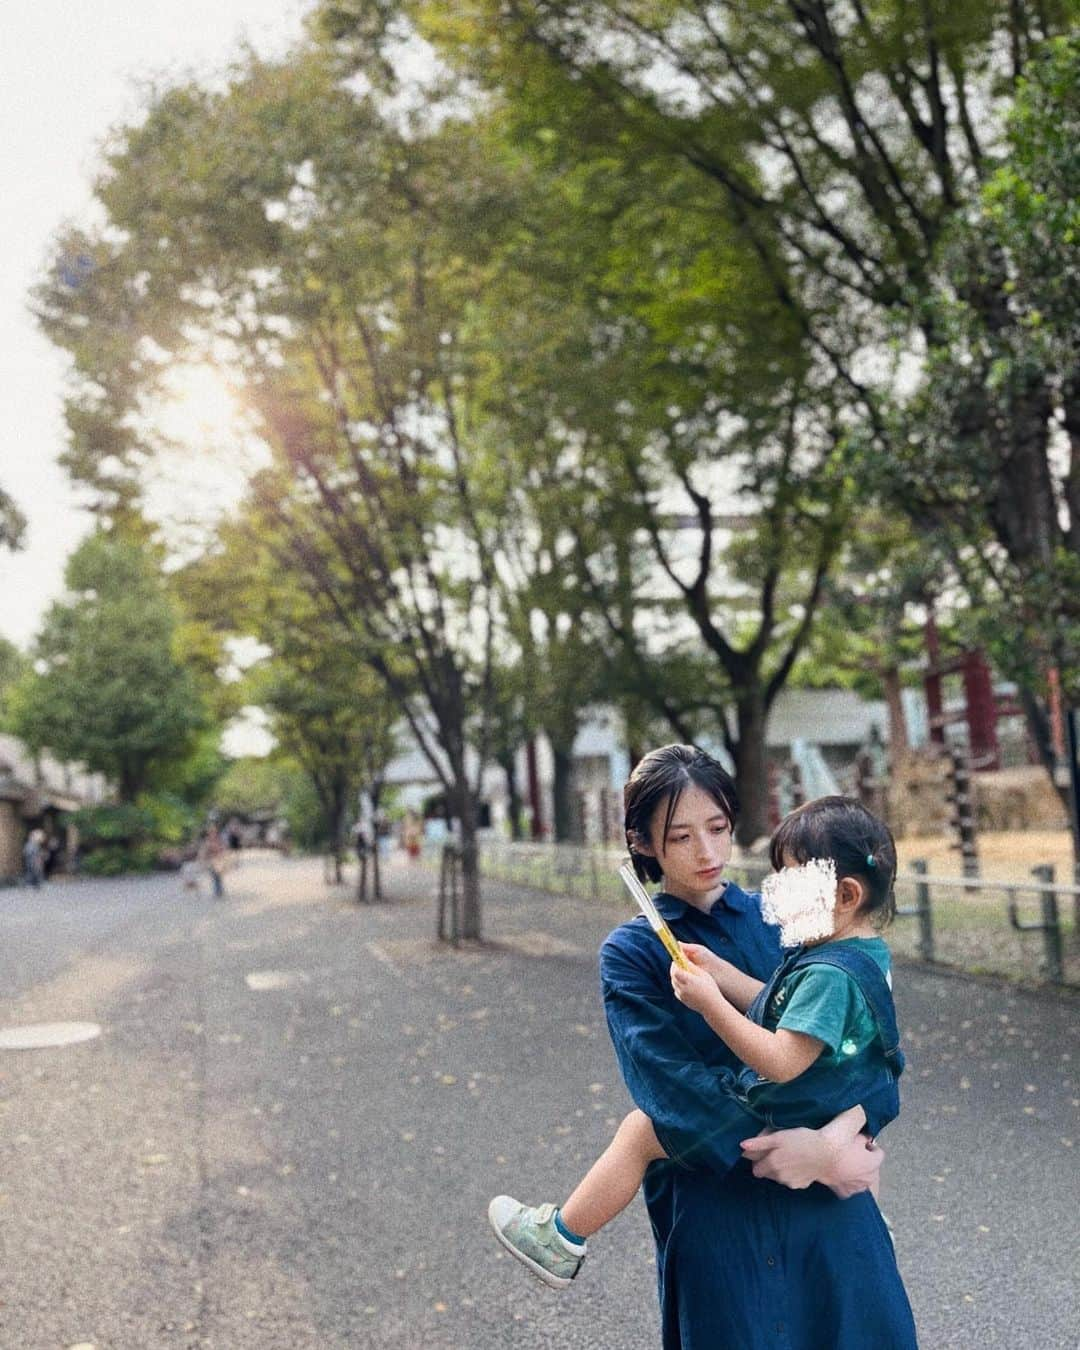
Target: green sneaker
529	1233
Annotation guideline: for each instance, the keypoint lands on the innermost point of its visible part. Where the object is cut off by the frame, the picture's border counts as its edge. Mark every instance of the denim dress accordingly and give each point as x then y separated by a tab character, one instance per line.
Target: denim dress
742	1263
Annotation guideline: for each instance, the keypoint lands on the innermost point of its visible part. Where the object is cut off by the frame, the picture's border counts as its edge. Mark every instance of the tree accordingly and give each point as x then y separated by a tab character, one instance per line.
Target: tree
12	522
990	444
668	482
275	784
106	688
286	218
871	633
13	666
329	713
841	141
332	720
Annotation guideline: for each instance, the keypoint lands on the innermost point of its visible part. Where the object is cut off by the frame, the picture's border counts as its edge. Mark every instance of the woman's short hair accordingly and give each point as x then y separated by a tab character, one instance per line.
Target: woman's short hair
667	773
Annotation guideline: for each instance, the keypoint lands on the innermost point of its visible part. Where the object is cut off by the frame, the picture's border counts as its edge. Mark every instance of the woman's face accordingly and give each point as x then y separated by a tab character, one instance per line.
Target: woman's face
697	847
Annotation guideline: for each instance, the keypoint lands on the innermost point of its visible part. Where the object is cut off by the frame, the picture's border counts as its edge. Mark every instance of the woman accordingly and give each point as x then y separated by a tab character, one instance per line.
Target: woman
742	1263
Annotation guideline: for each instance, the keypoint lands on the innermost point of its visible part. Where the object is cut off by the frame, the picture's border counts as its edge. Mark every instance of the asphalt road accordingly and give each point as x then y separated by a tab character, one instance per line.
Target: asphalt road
308	1164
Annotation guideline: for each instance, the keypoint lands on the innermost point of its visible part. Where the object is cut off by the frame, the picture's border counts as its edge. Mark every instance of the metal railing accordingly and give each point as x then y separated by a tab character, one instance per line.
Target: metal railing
1017	928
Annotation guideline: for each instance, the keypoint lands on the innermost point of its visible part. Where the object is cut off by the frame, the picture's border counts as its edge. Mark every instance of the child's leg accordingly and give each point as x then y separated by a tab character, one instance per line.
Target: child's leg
613	1180
551	1242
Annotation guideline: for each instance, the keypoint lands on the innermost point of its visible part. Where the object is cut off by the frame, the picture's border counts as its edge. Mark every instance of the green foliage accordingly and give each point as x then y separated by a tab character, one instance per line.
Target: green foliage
303	809
131	836
12	522
194	777
873	157
279	784
588	362
13	666
250	784
106	689
983	454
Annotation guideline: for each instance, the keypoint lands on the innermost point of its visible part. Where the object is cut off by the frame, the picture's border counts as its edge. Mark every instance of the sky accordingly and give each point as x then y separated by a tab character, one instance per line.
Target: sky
69	72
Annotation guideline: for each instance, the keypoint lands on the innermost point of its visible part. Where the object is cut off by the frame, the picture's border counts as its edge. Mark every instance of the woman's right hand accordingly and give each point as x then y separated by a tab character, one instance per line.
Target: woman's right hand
798	1157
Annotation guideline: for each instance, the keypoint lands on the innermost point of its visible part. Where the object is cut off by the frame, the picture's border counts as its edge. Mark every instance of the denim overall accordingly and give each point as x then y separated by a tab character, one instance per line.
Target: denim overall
868	1079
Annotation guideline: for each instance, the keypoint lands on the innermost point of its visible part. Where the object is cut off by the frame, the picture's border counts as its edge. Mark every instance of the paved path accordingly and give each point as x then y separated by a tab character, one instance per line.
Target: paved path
308	1166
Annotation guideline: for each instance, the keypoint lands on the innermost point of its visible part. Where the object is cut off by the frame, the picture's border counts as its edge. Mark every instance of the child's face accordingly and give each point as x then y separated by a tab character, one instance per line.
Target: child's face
697	846
801	898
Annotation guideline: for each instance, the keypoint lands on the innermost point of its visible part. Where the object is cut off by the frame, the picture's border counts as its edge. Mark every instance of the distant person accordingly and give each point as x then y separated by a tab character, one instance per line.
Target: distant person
51	855
211	854
360	840
412	833
383	833
233	835
34	858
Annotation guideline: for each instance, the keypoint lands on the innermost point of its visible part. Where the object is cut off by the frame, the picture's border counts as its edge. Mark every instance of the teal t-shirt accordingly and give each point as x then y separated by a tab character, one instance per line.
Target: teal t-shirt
825	1002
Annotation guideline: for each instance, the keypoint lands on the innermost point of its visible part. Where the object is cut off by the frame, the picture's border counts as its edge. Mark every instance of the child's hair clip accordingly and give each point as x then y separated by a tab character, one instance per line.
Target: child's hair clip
871	861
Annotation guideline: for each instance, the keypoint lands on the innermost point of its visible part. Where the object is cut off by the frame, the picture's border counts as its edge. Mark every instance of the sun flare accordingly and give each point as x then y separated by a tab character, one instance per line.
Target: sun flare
199	408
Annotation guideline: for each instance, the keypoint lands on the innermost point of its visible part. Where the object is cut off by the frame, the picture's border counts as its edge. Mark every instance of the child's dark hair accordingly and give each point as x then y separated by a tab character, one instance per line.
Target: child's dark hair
860	845
668	772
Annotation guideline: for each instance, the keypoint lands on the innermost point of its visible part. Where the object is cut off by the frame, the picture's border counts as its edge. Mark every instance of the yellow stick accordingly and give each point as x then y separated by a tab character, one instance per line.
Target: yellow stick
656	922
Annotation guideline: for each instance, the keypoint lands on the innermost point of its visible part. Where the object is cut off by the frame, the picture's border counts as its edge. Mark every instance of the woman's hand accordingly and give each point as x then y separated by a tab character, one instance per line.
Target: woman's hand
695	988
798	1157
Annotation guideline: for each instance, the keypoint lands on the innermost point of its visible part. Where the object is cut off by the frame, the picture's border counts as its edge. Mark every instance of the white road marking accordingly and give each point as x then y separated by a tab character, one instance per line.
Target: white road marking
45	1035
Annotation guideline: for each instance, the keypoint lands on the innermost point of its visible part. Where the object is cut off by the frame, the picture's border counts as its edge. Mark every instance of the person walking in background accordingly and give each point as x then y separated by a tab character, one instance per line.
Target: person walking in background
211	854
53	850
34	858
412	834
360	840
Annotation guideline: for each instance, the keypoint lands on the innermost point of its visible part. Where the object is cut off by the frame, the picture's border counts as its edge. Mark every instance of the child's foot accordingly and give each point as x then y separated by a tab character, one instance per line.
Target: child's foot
529	1233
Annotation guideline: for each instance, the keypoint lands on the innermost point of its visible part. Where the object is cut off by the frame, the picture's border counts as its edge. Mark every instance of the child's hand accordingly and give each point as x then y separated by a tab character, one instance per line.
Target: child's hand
695	988
705	959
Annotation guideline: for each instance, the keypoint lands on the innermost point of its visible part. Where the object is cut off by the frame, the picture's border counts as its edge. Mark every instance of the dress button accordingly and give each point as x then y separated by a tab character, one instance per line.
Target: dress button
770	1260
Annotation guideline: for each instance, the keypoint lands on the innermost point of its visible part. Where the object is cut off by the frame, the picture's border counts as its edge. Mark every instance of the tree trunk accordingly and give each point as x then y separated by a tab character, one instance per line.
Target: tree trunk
534	789
470	861
562	804
376	870
750	772
340	806
1039	727
129	783
899	740
513	792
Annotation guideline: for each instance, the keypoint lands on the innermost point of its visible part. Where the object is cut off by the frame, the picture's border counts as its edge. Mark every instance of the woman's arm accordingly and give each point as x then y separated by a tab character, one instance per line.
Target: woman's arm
735	985
663	1070
778	1055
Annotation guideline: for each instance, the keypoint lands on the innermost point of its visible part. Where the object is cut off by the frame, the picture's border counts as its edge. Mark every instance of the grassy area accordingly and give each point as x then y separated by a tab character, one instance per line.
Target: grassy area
1005	855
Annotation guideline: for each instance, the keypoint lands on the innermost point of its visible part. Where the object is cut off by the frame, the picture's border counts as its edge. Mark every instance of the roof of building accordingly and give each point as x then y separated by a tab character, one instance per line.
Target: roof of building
824	717
66	786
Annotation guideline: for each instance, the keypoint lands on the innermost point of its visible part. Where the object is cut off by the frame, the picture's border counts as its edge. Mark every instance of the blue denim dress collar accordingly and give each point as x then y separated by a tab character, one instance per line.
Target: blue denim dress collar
732	897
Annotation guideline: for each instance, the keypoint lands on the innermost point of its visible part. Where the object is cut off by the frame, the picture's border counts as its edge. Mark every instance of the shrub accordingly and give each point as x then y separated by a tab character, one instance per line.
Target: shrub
132	837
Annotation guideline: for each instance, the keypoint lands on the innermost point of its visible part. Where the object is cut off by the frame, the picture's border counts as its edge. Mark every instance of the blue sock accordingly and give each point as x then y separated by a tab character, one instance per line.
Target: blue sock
565	1232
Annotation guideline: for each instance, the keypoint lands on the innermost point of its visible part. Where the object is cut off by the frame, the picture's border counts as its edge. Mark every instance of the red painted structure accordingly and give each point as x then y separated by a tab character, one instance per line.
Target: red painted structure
982	708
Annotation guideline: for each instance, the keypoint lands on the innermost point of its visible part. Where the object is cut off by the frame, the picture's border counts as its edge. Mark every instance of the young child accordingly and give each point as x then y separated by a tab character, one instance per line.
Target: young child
819	1037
